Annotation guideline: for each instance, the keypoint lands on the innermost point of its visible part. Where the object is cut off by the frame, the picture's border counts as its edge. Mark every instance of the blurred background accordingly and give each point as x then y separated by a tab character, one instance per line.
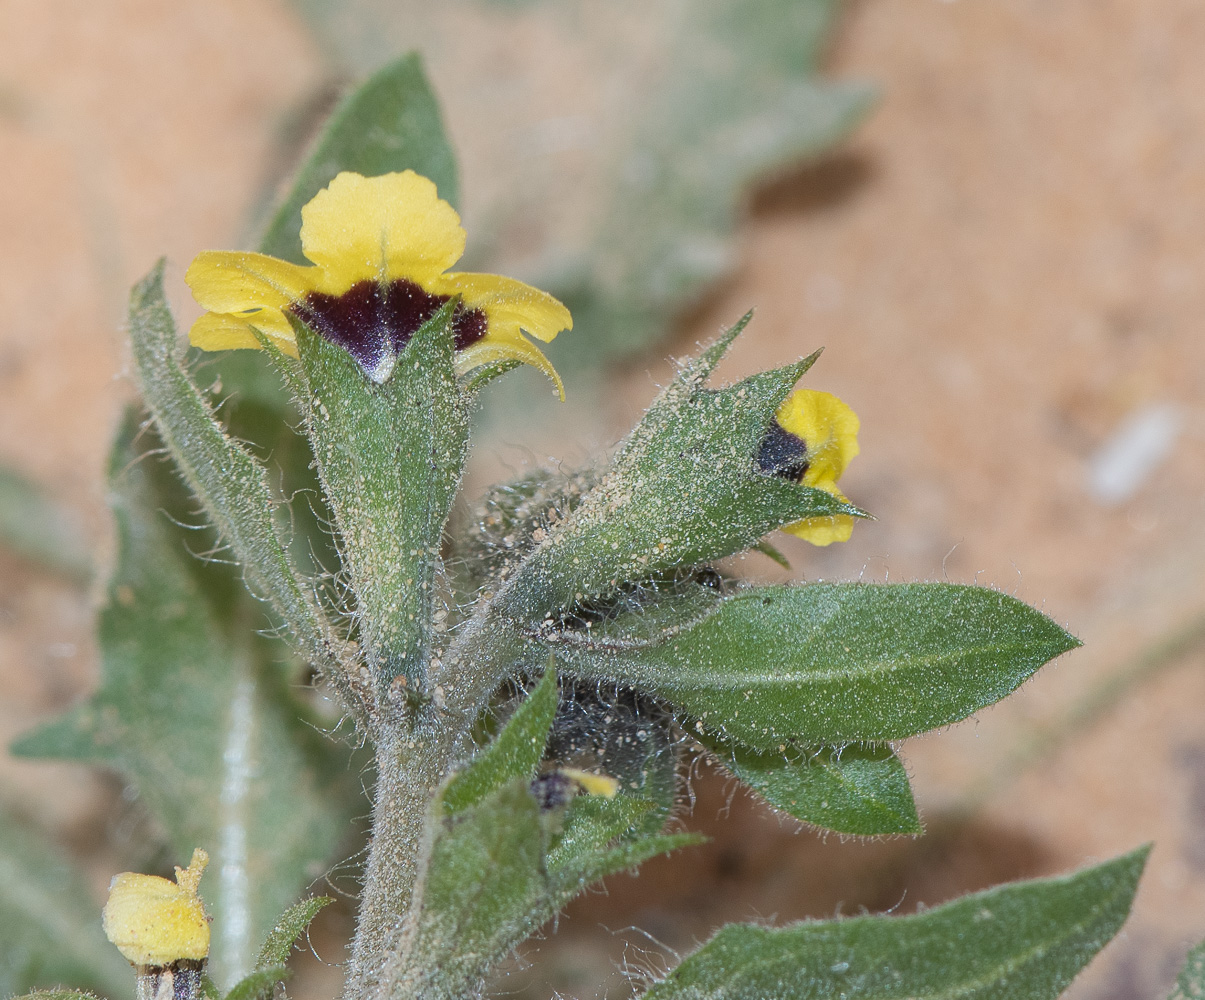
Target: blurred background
993	221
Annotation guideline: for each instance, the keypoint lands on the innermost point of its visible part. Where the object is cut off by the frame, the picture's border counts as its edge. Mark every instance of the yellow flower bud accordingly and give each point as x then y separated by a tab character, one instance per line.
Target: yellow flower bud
154	921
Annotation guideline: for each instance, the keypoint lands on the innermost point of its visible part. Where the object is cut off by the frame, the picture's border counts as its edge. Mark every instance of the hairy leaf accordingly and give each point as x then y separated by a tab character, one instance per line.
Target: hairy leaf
590	825
1019	942
390	123
289	927
1190	985
857	789
485	891
514	753
231	485
40	530
49	923
194	712
830	664
390	457
489	885
683	489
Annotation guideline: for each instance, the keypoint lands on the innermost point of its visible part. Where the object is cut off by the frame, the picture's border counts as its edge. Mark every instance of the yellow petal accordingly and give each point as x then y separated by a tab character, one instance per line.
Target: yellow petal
824	530
229	282
496	349
509	305
827	427
380	228
154	921
223	332
591	783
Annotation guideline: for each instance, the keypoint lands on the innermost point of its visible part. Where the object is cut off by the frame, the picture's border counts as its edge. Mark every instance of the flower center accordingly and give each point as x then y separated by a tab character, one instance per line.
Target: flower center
783	453
374	322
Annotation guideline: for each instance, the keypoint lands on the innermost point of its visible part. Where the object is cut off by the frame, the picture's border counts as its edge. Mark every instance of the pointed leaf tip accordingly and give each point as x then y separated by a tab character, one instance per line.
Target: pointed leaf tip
1029	939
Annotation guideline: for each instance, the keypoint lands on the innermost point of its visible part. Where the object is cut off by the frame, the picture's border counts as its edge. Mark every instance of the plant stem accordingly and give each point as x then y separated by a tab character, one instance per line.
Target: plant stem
411	762
409	769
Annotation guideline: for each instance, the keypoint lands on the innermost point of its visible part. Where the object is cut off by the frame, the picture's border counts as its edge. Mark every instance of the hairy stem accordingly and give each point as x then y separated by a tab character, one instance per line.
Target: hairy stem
409	770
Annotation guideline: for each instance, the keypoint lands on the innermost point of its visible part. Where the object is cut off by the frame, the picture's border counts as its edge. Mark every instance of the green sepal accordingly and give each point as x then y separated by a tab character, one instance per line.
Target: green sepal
390	457
514	753
258	985
230	484
829	664
502	528
683	489
391	122
1190	984
600	837
1018	942
857	789
771	553
291	924
590	824
477	379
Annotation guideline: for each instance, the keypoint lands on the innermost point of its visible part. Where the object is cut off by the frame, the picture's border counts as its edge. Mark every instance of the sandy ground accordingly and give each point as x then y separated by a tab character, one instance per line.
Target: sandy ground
1003	266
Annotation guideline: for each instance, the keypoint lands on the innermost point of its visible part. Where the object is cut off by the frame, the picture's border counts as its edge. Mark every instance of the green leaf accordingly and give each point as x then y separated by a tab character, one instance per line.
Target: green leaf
490	885
390	457
231	485
258	985
1019	942
601	837
514	753
193	710
590	825
485	892
40	530
683	489
637	193
858	789
49	922
828	664
1190	985
390	123
289	927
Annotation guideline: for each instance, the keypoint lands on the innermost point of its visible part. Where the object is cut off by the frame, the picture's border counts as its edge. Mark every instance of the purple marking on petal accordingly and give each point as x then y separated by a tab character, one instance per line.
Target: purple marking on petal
374	323
783	453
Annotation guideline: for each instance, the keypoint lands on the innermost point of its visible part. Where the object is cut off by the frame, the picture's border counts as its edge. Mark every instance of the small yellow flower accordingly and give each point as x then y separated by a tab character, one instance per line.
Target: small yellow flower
813	438
381	248
154	921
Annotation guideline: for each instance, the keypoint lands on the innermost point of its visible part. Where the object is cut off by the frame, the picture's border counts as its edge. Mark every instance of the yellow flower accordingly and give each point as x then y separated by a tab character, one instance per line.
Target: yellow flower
381	248
813	438
154	921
